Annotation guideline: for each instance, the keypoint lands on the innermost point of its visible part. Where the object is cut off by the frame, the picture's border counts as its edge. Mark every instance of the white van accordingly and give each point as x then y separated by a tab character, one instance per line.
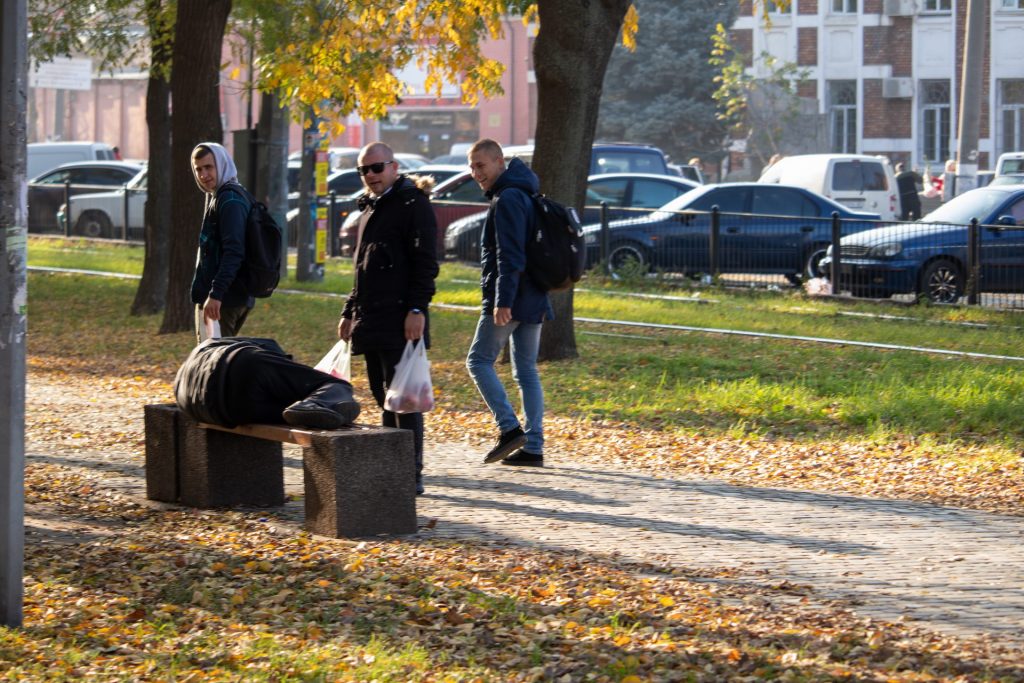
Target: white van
859	181
44	156
1010	163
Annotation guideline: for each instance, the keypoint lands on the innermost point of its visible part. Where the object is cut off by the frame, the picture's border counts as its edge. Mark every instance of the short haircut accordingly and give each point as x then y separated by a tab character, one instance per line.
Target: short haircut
200	152
376	147
486	145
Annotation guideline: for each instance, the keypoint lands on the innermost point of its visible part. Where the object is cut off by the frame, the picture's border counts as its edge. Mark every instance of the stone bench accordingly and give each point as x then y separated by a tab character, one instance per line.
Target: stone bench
359	481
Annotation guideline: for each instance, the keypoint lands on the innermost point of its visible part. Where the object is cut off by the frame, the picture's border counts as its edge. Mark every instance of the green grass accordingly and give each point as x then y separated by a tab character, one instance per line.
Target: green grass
672	380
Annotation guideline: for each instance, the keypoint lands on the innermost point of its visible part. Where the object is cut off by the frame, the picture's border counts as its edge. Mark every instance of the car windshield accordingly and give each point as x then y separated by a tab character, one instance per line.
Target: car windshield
974	204
681	202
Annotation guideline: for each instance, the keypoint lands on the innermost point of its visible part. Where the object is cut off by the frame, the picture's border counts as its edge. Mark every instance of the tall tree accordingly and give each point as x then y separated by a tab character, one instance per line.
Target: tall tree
570	56
661	93
195	96
151	294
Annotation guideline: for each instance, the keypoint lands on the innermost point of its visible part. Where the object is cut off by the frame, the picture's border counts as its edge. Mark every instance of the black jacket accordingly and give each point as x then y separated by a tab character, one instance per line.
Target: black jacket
396	264
199	388
222	249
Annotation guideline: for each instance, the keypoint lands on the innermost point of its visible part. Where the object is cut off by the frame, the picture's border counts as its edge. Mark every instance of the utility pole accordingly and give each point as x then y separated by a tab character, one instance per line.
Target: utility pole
970	98
13	306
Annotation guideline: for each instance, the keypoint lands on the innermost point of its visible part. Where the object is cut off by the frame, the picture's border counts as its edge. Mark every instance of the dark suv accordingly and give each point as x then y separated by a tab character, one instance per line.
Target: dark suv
610	157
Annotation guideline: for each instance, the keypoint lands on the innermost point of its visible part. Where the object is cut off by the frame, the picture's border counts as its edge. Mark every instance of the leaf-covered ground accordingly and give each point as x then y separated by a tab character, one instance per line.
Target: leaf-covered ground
118	589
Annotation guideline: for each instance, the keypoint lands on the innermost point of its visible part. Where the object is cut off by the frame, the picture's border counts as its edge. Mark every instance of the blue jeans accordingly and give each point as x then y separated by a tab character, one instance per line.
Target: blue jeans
488	342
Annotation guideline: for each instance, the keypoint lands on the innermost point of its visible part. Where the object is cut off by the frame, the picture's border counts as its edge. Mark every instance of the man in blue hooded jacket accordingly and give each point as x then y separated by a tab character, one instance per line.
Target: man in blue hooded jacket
513	307
217	292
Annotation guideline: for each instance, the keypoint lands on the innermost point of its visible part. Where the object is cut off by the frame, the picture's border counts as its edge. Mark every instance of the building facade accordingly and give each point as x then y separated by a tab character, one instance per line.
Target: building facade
886	74
113	108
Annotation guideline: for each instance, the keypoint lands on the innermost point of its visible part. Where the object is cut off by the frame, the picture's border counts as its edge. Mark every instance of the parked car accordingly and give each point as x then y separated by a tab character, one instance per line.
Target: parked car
627	194
688	171
337	157
1010	163
859	181
46	156
610	157
410	162
1009	179
929	257
101	214
763	228
46	193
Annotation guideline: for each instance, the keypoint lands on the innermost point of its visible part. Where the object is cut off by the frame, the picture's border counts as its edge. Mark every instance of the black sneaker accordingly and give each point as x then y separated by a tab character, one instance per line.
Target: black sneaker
524	457
507	442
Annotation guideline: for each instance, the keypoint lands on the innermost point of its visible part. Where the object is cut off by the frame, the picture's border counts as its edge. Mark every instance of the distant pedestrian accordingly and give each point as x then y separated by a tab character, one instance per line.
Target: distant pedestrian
909	183
513	307
217	292
117	153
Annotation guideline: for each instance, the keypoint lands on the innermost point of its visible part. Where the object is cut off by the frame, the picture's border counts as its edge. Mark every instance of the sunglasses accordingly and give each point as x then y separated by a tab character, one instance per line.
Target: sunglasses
375	168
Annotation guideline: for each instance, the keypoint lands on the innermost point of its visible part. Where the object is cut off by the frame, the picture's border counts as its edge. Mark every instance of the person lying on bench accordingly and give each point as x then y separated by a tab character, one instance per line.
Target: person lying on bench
246	380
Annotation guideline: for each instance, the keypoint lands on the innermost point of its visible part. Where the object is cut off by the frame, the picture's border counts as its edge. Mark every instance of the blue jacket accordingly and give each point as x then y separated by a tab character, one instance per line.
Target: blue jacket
510	221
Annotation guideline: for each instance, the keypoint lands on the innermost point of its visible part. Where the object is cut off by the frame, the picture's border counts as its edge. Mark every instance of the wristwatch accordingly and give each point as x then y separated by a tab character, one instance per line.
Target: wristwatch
416	311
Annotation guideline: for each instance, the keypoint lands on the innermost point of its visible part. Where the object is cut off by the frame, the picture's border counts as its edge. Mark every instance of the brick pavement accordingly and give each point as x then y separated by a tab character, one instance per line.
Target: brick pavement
956	571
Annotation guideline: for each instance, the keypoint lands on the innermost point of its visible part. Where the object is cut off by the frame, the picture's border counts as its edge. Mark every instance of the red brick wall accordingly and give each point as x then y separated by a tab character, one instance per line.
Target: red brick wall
807	46
807	89
873	6
746	8
743	41
876	44
807	7
885	118
901	44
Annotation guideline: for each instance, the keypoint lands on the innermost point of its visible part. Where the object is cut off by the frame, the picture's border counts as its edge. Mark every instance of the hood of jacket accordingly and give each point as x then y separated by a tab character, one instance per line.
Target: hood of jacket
517	175
226	171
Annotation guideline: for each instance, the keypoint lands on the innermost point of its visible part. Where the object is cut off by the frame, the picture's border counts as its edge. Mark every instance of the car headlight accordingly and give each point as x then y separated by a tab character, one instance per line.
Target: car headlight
887	250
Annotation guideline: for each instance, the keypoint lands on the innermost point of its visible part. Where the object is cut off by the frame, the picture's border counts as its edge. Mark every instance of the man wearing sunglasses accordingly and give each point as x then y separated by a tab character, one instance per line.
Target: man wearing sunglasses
395	268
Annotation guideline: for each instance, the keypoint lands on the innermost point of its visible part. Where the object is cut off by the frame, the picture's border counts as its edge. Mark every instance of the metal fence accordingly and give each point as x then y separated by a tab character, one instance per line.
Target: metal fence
941	263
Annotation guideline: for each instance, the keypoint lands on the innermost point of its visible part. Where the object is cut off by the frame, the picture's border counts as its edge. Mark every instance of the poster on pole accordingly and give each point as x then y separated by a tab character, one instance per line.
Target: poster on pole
63	73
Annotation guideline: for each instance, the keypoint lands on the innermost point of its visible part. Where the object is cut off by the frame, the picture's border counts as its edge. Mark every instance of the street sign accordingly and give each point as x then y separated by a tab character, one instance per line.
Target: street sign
62	74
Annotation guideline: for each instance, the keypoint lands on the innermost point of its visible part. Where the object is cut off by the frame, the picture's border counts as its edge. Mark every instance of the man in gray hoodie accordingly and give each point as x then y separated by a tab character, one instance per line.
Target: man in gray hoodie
217	292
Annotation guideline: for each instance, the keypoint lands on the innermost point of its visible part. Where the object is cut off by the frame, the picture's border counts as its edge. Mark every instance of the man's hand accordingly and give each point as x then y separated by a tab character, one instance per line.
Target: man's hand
211	309
345	329
415	323
502	316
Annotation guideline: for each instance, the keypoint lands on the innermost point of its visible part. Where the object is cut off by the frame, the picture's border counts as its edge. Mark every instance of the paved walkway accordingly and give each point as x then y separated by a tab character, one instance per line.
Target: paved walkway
956	571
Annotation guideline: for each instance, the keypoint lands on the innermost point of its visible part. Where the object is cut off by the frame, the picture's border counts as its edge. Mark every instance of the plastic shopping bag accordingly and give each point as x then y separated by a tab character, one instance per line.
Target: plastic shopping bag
210	329
411	390
338	361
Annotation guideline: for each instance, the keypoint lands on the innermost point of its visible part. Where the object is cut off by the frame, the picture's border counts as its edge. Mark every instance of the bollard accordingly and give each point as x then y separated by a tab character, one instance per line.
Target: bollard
973	261
605	239
837	251
716	226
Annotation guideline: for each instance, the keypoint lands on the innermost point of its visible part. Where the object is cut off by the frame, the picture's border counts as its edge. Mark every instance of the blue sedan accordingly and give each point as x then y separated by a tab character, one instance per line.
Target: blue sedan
929	257
763	228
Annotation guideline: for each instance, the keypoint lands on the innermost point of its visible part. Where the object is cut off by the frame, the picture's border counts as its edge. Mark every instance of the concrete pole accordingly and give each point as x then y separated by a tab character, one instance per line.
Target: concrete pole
13	306
970	97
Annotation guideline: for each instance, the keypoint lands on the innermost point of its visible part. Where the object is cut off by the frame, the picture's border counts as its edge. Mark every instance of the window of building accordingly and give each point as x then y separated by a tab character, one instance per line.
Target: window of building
1013	4
1011	116
935	120
774	8
842	116
844	6
938	5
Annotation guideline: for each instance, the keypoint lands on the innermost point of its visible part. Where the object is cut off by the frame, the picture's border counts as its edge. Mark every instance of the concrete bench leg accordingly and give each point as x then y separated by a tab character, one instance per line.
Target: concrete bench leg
220	469
361	485
162	452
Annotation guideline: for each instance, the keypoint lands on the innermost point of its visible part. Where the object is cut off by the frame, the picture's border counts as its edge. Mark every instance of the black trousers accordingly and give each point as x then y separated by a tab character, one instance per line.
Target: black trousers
380	371
259	385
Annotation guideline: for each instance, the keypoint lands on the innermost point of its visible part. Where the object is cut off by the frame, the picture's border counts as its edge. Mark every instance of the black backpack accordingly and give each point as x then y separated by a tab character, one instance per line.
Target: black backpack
555	253
261	270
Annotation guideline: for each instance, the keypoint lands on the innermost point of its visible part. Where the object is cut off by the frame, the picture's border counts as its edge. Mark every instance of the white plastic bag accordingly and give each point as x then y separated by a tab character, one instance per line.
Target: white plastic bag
209	330
411	390
338	361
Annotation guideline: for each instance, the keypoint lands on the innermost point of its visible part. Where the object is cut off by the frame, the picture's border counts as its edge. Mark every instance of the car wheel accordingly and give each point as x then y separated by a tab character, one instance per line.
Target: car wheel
942	282
627	257
812	262
93	224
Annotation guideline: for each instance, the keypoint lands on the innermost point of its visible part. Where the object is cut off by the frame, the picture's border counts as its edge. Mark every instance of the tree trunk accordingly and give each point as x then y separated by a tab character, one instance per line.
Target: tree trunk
195	97
272	176
570	57
152	292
